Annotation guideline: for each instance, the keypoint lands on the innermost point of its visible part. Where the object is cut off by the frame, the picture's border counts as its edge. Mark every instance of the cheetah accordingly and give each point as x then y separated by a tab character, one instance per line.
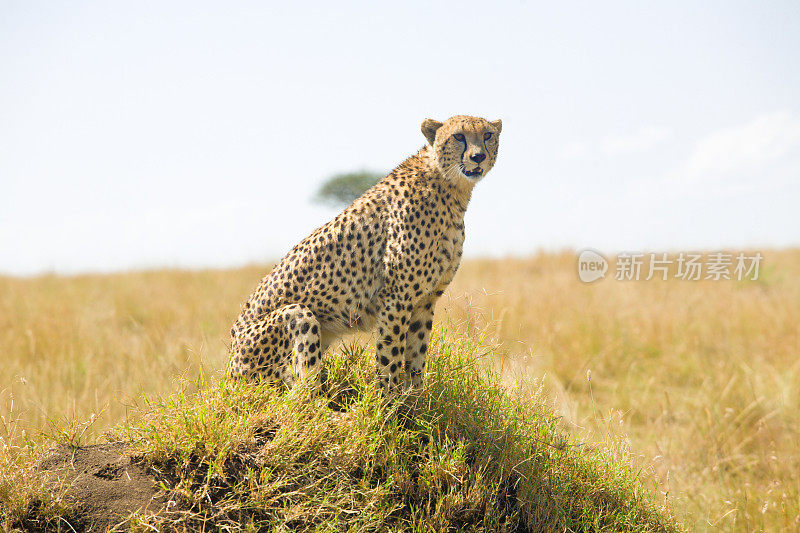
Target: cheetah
379	265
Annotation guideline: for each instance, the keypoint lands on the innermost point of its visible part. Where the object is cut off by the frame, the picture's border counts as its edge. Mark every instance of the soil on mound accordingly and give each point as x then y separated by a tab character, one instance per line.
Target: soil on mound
105	483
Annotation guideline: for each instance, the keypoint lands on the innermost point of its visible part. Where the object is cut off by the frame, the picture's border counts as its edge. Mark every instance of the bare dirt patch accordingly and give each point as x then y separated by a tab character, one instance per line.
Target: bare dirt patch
105	483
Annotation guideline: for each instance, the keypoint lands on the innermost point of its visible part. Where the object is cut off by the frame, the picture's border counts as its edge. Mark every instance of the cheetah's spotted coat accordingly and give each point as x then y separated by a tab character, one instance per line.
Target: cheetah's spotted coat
383	262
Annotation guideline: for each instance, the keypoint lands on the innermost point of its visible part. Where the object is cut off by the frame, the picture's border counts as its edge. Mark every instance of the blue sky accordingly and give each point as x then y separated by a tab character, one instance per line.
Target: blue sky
193	134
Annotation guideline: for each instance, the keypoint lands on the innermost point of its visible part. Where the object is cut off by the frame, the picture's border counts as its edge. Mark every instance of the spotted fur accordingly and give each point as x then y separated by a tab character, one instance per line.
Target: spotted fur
382	263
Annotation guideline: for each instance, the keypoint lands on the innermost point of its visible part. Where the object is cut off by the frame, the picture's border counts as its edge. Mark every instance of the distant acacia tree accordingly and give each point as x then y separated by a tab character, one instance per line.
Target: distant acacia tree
341	189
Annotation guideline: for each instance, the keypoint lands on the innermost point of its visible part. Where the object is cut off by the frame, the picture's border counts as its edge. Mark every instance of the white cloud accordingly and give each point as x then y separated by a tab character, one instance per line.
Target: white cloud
760	157
750	152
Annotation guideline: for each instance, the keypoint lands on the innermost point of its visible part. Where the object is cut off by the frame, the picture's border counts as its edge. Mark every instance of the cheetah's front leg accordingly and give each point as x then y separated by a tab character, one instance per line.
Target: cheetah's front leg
390	346
419	332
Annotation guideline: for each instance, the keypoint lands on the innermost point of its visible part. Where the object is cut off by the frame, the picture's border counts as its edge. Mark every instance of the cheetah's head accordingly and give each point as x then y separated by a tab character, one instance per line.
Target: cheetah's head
464	147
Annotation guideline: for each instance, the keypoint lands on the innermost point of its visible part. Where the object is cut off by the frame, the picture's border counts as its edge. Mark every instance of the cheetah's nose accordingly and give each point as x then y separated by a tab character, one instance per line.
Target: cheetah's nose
480	156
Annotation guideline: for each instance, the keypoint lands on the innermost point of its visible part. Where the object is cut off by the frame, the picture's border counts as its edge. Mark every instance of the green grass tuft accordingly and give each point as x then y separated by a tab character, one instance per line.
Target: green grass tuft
465	454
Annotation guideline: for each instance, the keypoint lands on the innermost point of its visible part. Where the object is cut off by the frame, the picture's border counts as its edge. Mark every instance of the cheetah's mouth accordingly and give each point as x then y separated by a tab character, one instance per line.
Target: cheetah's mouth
478	171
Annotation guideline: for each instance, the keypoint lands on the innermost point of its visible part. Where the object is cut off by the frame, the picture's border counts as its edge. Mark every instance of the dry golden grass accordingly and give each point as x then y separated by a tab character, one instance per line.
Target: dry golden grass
74	346
701	378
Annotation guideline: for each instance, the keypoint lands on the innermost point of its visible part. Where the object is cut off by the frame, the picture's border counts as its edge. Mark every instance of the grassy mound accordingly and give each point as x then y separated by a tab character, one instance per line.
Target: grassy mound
464	454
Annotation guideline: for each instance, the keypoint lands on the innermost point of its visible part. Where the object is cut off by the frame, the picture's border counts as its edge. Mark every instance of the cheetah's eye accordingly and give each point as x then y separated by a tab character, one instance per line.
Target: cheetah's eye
459	137
487	135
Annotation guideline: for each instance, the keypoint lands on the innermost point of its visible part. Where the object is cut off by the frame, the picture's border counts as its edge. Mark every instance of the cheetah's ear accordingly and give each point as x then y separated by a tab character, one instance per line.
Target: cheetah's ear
498	124
429	127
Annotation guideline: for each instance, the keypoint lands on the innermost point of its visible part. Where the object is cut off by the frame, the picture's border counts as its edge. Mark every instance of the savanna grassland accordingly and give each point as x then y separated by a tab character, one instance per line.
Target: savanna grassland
698	380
